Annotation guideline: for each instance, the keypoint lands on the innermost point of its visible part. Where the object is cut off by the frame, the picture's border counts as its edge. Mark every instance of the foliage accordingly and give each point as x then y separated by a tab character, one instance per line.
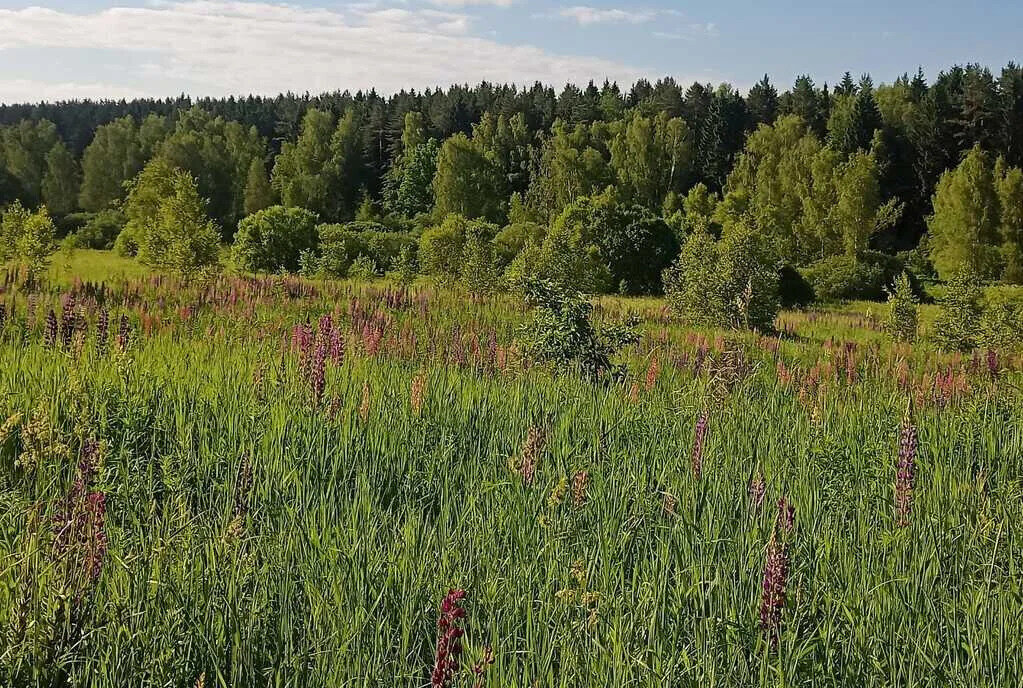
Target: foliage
272	240
903	320
561	332
842	277
29	238
957	326
181	238
730	283
342	245
1001	323
468	181
101	230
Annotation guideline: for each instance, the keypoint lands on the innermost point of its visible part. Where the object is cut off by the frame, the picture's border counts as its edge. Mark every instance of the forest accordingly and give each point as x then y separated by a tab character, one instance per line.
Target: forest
840	188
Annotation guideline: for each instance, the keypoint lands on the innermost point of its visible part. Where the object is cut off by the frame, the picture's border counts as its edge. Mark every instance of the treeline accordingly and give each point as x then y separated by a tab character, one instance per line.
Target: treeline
593	184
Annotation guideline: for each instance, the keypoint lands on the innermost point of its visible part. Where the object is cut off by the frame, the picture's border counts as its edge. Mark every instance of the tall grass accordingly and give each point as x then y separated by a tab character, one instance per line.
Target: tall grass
259	536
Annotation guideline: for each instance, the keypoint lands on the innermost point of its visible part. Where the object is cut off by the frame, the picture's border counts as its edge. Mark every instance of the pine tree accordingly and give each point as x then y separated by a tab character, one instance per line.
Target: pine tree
762	103
902	319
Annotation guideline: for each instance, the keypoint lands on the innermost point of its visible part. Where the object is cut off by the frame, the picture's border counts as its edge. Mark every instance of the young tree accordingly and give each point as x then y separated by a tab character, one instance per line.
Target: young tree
958	323
61	181
112	158
468	181
902	310
965	225
1010	195
182	238
259	195
27	237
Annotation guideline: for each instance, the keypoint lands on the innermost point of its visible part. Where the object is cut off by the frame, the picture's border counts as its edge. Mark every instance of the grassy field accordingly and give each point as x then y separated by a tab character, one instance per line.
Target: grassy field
274	482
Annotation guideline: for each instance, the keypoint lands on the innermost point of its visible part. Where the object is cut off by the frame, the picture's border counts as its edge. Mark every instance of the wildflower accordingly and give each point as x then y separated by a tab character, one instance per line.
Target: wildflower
775	580
557	494
757	491
449	640
669	504
123	333
992	360
318	373
3	315
905	469
652	372
634	393
698	441
532	449
68	321
102	331
580	481
50	333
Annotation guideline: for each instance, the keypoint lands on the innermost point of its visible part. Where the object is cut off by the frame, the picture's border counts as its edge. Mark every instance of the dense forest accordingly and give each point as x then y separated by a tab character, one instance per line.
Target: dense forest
845	186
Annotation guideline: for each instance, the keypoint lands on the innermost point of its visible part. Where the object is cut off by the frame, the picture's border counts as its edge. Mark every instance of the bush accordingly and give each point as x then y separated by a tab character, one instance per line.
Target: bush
442	249
362	268
845	277
1001	323
272	240
560	332
511	240
100	230
902	319
726	283
341	246
957	326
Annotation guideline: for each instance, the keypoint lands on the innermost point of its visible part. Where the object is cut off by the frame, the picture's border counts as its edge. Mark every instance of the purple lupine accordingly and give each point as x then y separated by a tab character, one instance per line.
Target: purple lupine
775	581
3	315
992	363
318	372
103	331
68	321
123	333
449	640
698	441
50	333
79	534
905	470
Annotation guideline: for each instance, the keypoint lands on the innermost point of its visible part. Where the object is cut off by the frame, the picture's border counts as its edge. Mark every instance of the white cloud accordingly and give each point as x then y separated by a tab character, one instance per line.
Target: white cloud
221	47
689	31
31	90
467	3
593	15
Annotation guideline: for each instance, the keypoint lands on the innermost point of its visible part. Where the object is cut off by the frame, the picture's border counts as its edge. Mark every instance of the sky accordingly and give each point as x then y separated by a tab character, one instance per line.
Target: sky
133	48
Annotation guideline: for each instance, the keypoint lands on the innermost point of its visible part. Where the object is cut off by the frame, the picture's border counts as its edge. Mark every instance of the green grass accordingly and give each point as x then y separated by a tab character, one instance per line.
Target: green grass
329	569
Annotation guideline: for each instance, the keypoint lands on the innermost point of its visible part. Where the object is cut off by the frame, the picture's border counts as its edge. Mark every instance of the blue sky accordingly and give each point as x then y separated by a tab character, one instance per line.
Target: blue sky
124	48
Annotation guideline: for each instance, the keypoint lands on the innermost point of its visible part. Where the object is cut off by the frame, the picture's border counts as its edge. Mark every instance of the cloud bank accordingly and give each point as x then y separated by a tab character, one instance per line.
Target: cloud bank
219	47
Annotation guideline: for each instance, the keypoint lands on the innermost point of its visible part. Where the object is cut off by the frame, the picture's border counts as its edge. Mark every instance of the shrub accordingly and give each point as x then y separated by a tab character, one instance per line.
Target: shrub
272	240
406	267
29	237
340	246
845	277
511	240
902	310
726	283
957	326
442	248
1001	323
560	332
100	230
362	268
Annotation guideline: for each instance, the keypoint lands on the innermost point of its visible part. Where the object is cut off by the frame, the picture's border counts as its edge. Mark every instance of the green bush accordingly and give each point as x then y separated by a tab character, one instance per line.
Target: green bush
341	246
726	283
957	327
844	277
560	332
100	230
902	321
1001	323
442	248
272	240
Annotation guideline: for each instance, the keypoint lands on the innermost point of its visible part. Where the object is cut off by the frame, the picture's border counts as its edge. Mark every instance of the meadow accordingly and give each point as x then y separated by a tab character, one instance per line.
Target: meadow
269	481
